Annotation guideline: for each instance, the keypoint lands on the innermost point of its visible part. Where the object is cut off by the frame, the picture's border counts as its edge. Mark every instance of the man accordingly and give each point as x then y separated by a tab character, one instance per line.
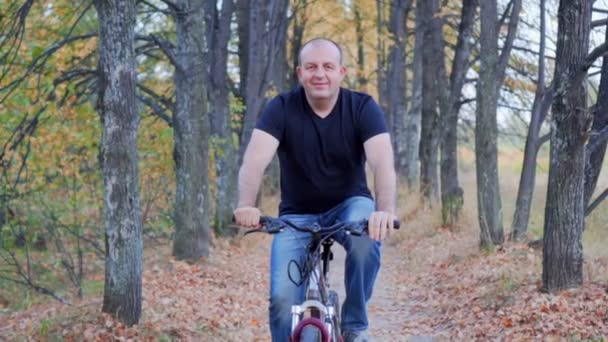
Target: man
323	134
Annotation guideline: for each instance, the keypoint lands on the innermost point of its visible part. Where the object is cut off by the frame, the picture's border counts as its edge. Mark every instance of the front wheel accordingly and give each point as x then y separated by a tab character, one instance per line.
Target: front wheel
310	329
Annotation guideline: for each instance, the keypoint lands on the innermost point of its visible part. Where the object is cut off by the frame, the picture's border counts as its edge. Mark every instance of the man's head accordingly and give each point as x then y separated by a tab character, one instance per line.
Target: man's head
321	68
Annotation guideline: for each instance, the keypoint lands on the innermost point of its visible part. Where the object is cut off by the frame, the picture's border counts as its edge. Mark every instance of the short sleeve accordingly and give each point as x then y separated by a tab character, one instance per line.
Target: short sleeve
272	119
371	120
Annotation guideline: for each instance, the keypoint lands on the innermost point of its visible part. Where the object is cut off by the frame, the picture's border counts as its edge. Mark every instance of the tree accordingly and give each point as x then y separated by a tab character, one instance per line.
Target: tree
570	124
540	108
117	107
191	133
596	147
429	137
224	145
395	84
260	22
452	195
491	76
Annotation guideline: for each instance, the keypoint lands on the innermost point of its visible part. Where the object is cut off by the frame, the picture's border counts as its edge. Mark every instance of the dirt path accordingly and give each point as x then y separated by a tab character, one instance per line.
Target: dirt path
386	314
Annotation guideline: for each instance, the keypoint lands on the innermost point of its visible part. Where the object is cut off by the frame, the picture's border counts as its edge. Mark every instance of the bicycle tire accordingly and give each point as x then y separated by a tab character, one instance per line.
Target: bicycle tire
311	324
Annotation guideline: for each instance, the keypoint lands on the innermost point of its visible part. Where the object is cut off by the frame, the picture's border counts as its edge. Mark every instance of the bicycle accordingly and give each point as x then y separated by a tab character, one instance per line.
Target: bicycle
318	317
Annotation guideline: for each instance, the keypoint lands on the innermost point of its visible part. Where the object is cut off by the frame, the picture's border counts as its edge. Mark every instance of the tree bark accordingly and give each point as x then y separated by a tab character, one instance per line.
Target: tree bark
431	129
360	39
117	107
491	76
224	145
396	84
595	149
263	22
191	132
540	108
409	162
300	19
452	195
564	210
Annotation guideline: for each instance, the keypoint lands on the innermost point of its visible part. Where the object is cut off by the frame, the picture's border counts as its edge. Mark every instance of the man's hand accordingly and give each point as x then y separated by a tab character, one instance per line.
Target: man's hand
247	216
380	224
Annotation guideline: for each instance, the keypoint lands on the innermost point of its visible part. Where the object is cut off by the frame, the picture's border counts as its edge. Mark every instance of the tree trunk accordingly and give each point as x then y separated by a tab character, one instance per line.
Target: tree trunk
408	163
491	76
300	18
360	37
429	139
595	150
382	74
279	76
224	144
396	84
117	106
540	109
191	133
263	22
564	211
452	195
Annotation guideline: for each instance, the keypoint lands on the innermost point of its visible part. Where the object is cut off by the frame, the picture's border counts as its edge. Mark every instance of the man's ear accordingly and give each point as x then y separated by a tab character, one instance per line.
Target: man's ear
299	72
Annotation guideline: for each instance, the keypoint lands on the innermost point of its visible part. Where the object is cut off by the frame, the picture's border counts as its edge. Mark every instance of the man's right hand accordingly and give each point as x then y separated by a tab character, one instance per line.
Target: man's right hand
247	216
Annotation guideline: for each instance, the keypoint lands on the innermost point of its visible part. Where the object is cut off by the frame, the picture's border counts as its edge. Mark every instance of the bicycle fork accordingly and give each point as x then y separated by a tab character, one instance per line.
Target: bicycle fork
313	303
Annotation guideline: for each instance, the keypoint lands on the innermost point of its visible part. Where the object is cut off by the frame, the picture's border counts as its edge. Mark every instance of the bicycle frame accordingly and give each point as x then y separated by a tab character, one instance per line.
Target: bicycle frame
317	301
317	292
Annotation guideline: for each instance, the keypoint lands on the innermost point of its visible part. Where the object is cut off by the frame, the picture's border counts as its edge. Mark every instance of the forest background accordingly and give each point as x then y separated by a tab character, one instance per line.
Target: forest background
498	112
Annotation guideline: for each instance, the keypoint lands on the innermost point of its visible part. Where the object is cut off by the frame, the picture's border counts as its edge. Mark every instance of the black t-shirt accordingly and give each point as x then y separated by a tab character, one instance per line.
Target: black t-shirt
322	159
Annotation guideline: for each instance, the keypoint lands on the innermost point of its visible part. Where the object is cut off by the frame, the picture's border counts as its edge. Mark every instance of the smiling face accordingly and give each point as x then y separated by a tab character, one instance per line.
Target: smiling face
320	71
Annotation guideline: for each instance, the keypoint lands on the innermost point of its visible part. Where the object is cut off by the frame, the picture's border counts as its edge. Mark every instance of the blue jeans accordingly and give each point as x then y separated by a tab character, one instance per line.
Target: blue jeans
361	267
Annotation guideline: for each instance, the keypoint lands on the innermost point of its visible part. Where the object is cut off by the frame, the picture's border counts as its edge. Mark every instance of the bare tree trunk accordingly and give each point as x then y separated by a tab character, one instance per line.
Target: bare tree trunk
540	109
486	154
410	160
191	132
224	145
263	23
117	106
431	129
564	211
360	37
452	195
300	19
381	59
279	76
396	83
491	76
596	149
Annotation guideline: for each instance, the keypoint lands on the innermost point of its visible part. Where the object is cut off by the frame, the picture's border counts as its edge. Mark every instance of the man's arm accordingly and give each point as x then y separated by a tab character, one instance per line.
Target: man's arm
379	154
258	155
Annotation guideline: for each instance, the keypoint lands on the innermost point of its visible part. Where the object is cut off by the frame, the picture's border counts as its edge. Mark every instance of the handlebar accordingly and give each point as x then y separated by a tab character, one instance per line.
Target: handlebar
272	225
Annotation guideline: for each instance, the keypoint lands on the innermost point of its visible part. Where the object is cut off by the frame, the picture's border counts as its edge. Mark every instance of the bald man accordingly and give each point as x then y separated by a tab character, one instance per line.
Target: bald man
323	135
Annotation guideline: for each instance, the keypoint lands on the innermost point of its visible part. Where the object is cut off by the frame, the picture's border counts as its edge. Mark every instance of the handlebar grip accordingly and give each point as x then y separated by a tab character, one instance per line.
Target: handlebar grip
396	224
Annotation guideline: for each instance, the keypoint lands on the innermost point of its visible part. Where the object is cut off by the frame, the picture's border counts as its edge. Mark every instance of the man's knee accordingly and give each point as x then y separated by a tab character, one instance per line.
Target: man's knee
358	208
280	308
364	250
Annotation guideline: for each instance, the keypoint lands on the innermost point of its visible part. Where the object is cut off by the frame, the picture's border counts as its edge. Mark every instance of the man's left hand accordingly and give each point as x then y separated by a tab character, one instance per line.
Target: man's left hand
380	224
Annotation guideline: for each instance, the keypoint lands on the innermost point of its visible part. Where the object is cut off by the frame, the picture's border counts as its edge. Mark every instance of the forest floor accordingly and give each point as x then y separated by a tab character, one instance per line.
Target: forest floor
435	285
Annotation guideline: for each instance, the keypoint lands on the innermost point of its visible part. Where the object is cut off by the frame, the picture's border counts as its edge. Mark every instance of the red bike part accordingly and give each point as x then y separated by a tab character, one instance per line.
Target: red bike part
297	333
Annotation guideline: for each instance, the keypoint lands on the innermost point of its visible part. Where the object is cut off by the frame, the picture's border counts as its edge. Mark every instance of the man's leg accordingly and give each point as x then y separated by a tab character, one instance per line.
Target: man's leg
286	246
362	263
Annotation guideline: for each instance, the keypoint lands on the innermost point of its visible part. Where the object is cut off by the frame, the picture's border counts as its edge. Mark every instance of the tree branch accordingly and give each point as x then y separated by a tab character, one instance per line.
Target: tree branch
599	22
156	109
596	202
